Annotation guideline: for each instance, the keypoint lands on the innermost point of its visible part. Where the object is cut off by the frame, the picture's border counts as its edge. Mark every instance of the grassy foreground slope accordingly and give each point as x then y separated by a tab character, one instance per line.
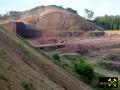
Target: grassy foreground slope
22	68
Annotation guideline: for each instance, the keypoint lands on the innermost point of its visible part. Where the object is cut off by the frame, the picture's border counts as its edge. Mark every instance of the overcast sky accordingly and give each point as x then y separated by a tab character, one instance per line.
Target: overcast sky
99	7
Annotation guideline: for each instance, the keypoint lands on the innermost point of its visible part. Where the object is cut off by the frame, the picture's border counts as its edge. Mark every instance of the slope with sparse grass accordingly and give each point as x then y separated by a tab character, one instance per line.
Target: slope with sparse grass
23	68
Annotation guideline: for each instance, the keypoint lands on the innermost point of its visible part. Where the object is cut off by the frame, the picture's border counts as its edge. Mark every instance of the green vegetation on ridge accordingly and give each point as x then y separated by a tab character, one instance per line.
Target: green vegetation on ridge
108	22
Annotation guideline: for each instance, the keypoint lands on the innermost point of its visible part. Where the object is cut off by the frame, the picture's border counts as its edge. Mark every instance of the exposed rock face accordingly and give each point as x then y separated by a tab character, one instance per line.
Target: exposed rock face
24	30
55	21
27	31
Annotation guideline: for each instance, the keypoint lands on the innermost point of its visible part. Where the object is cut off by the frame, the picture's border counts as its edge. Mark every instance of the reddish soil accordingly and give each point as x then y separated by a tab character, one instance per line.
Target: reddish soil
21	63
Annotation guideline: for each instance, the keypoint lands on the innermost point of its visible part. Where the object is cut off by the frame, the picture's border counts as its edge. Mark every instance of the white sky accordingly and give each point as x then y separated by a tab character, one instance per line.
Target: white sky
99	7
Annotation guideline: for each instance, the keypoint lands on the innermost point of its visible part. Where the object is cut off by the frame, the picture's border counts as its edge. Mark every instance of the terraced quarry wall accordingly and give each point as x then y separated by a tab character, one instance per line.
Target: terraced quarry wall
55	22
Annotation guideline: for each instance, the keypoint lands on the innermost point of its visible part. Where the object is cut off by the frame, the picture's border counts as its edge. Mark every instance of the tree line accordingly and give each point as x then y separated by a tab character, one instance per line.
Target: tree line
69	9
108	22
10	13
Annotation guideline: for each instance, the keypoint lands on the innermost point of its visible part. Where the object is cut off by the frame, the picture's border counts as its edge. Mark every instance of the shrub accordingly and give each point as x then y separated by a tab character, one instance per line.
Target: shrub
56	56
65	65
27	86
71	10
85	70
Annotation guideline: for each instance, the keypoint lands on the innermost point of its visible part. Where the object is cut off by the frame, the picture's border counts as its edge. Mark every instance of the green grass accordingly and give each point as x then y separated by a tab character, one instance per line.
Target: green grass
103	72
84	69
42	52
25	52
119	84
98	73
27	86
